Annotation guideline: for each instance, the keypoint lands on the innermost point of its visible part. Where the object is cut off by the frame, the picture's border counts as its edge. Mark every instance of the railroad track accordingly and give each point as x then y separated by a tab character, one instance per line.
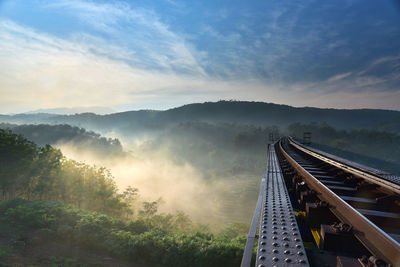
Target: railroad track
351	212
368	204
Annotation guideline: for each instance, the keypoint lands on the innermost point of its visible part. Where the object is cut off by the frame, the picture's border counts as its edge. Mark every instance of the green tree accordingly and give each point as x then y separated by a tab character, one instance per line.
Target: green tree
149	208
16	157
47	164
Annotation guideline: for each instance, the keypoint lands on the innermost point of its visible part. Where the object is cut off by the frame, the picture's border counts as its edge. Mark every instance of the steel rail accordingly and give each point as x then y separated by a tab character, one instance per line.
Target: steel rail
374	239
355	171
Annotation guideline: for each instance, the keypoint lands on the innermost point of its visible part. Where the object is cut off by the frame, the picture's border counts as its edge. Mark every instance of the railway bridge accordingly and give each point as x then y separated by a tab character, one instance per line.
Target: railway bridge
316	209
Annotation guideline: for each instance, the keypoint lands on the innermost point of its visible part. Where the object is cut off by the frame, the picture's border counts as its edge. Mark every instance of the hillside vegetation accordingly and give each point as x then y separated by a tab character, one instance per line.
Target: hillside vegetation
43	134
41	222
33	172
255	113
33	177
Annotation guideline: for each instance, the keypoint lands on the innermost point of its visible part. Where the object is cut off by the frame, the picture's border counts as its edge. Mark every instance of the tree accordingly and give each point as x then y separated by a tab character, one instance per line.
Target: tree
16	156
130	195
183	222
47	165
150	208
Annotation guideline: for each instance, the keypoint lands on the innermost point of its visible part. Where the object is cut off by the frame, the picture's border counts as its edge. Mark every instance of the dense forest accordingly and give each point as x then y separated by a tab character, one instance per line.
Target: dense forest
42	175
33	172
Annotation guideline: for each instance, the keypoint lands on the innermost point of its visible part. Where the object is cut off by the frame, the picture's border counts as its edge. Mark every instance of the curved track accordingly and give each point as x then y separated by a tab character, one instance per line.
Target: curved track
366	201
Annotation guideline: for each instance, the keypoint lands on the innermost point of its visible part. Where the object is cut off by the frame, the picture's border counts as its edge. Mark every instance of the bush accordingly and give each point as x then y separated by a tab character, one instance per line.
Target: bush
136	240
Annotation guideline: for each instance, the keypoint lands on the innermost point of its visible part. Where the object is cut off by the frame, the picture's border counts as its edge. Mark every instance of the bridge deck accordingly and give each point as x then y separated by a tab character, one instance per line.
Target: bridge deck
280	243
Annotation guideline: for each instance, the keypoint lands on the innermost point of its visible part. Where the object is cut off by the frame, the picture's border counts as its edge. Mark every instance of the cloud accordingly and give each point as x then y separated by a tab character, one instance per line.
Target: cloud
354	100
392	62
339	77
41	71
128	57
381	75
153	43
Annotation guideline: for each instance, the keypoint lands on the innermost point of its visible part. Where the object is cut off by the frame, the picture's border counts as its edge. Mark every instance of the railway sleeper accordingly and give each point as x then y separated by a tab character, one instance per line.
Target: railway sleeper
370	204
340	189
352	181
382	218
366	186
387	199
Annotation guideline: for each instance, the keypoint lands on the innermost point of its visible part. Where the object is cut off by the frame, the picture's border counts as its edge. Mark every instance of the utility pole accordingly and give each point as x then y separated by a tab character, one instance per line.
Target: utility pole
271	138
307	138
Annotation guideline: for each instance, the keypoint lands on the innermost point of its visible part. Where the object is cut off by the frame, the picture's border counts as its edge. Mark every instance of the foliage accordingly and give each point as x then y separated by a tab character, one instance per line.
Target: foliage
4	251
136	240
17	155
35	172
43	134
156	239
149	208
235	229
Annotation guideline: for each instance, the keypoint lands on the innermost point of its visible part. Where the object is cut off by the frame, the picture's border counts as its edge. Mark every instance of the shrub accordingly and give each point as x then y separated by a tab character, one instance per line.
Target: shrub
137	240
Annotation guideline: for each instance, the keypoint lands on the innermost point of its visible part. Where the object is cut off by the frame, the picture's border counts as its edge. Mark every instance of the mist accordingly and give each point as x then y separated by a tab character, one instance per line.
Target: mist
214	201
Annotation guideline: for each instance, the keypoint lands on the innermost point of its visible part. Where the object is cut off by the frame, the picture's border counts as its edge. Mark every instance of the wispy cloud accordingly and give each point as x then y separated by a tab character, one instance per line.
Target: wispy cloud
41	71
126	56
153	43
339	77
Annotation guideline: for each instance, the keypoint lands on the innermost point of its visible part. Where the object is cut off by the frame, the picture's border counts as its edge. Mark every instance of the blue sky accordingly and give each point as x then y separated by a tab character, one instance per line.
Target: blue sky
158	54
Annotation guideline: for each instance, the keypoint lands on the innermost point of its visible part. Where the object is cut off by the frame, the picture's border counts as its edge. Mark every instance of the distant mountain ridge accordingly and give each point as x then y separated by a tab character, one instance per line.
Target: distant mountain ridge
256	113
74	110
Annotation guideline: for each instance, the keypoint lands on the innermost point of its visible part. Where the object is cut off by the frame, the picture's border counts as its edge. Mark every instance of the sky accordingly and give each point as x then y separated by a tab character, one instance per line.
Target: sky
129	55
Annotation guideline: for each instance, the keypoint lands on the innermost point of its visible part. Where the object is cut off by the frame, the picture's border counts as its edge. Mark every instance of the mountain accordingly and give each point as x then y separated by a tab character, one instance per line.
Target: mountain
74	110
255	113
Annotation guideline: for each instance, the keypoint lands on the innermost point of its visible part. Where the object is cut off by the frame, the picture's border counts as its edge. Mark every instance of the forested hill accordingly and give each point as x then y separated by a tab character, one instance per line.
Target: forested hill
282	115
256	113
43	134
